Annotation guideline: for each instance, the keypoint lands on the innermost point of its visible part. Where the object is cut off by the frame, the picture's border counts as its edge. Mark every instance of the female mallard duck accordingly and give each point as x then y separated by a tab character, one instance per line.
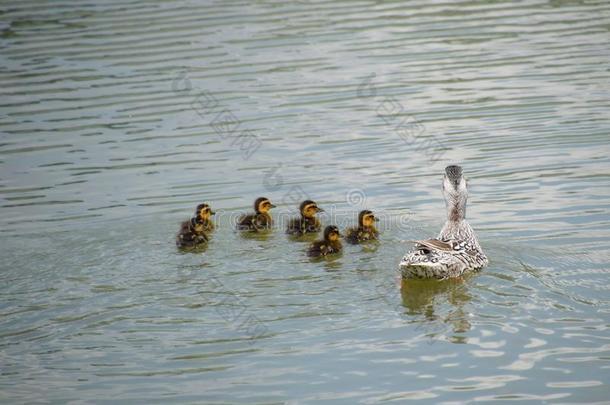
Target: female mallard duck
365	230
308	222
329	245
193	232
260	220
456	250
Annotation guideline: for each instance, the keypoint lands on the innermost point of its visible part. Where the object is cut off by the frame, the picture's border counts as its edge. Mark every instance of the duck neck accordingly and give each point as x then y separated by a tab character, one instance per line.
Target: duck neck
195	226
309	220
368	228
336	244
456	208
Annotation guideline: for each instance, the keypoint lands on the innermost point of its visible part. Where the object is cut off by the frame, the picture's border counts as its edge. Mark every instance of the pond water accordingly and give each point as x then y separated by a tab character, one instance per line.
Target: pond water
118	118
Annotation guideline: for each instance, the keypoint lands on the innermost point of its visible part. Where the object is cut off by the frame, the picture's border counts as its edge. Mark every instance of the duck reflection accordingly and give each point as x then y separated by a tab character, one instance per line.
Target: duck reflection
332	264
441	304
200	248
261	236
307	237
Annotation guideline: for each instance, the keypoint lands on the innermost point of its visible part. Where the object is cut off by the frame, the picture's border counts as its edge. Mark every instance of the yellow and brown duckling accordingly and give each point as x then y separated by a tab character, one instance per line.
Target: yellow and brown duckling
195	231
365	230
308	222
204	213
329	245
260	220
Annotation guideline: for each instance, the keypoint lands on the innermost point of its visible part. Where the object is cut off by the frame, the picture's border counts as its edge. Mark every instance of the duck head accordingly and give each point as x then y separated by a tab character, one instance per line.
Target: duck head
204	212
262	205
309	209
331	233
455	193
367	219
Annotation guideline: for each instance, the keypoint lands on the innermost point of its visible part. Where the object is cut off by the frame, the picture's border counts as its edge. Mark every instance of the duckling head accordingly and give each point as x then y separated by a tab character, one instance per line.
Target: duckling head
204	212
262	205
367	219
309	209
331	233
455	192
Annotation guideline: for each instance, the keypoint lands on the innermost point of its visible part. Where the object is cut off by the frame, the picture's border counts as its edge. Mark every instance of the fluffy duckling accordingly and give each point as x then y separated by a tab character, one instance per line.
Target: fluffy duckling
308	222
329	245
193	231
204	213
191	234
260	220
365	230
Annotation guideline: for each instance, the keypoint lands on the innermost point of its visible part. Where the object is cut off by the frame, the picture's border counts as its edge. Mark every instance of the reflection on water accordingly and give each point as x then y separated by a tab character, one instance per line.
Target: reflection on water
370	247
306	238
260	236
430	299
331	262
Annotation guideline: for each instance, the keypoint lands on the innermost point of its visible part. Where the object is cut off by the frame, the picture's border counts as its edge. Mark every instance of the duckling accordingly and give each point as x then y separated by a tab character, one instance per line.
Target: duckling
308	222
204	212
329	245
260	220
456	250
193	231
365	230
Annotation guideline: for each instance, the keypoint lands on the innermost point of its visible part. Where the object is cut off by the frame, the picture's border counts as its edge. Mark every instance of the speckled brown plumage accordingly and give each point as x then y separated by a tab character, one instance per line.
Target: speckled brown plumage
307	222
456	250
365	231
329	245
260	220
196	230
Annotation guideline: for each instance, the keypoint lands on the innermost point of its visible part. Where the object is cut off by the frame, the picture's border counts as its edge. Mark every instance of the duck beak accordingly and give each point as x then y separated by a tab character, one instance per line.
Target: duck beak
212	212
272	205
318	209
376	219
